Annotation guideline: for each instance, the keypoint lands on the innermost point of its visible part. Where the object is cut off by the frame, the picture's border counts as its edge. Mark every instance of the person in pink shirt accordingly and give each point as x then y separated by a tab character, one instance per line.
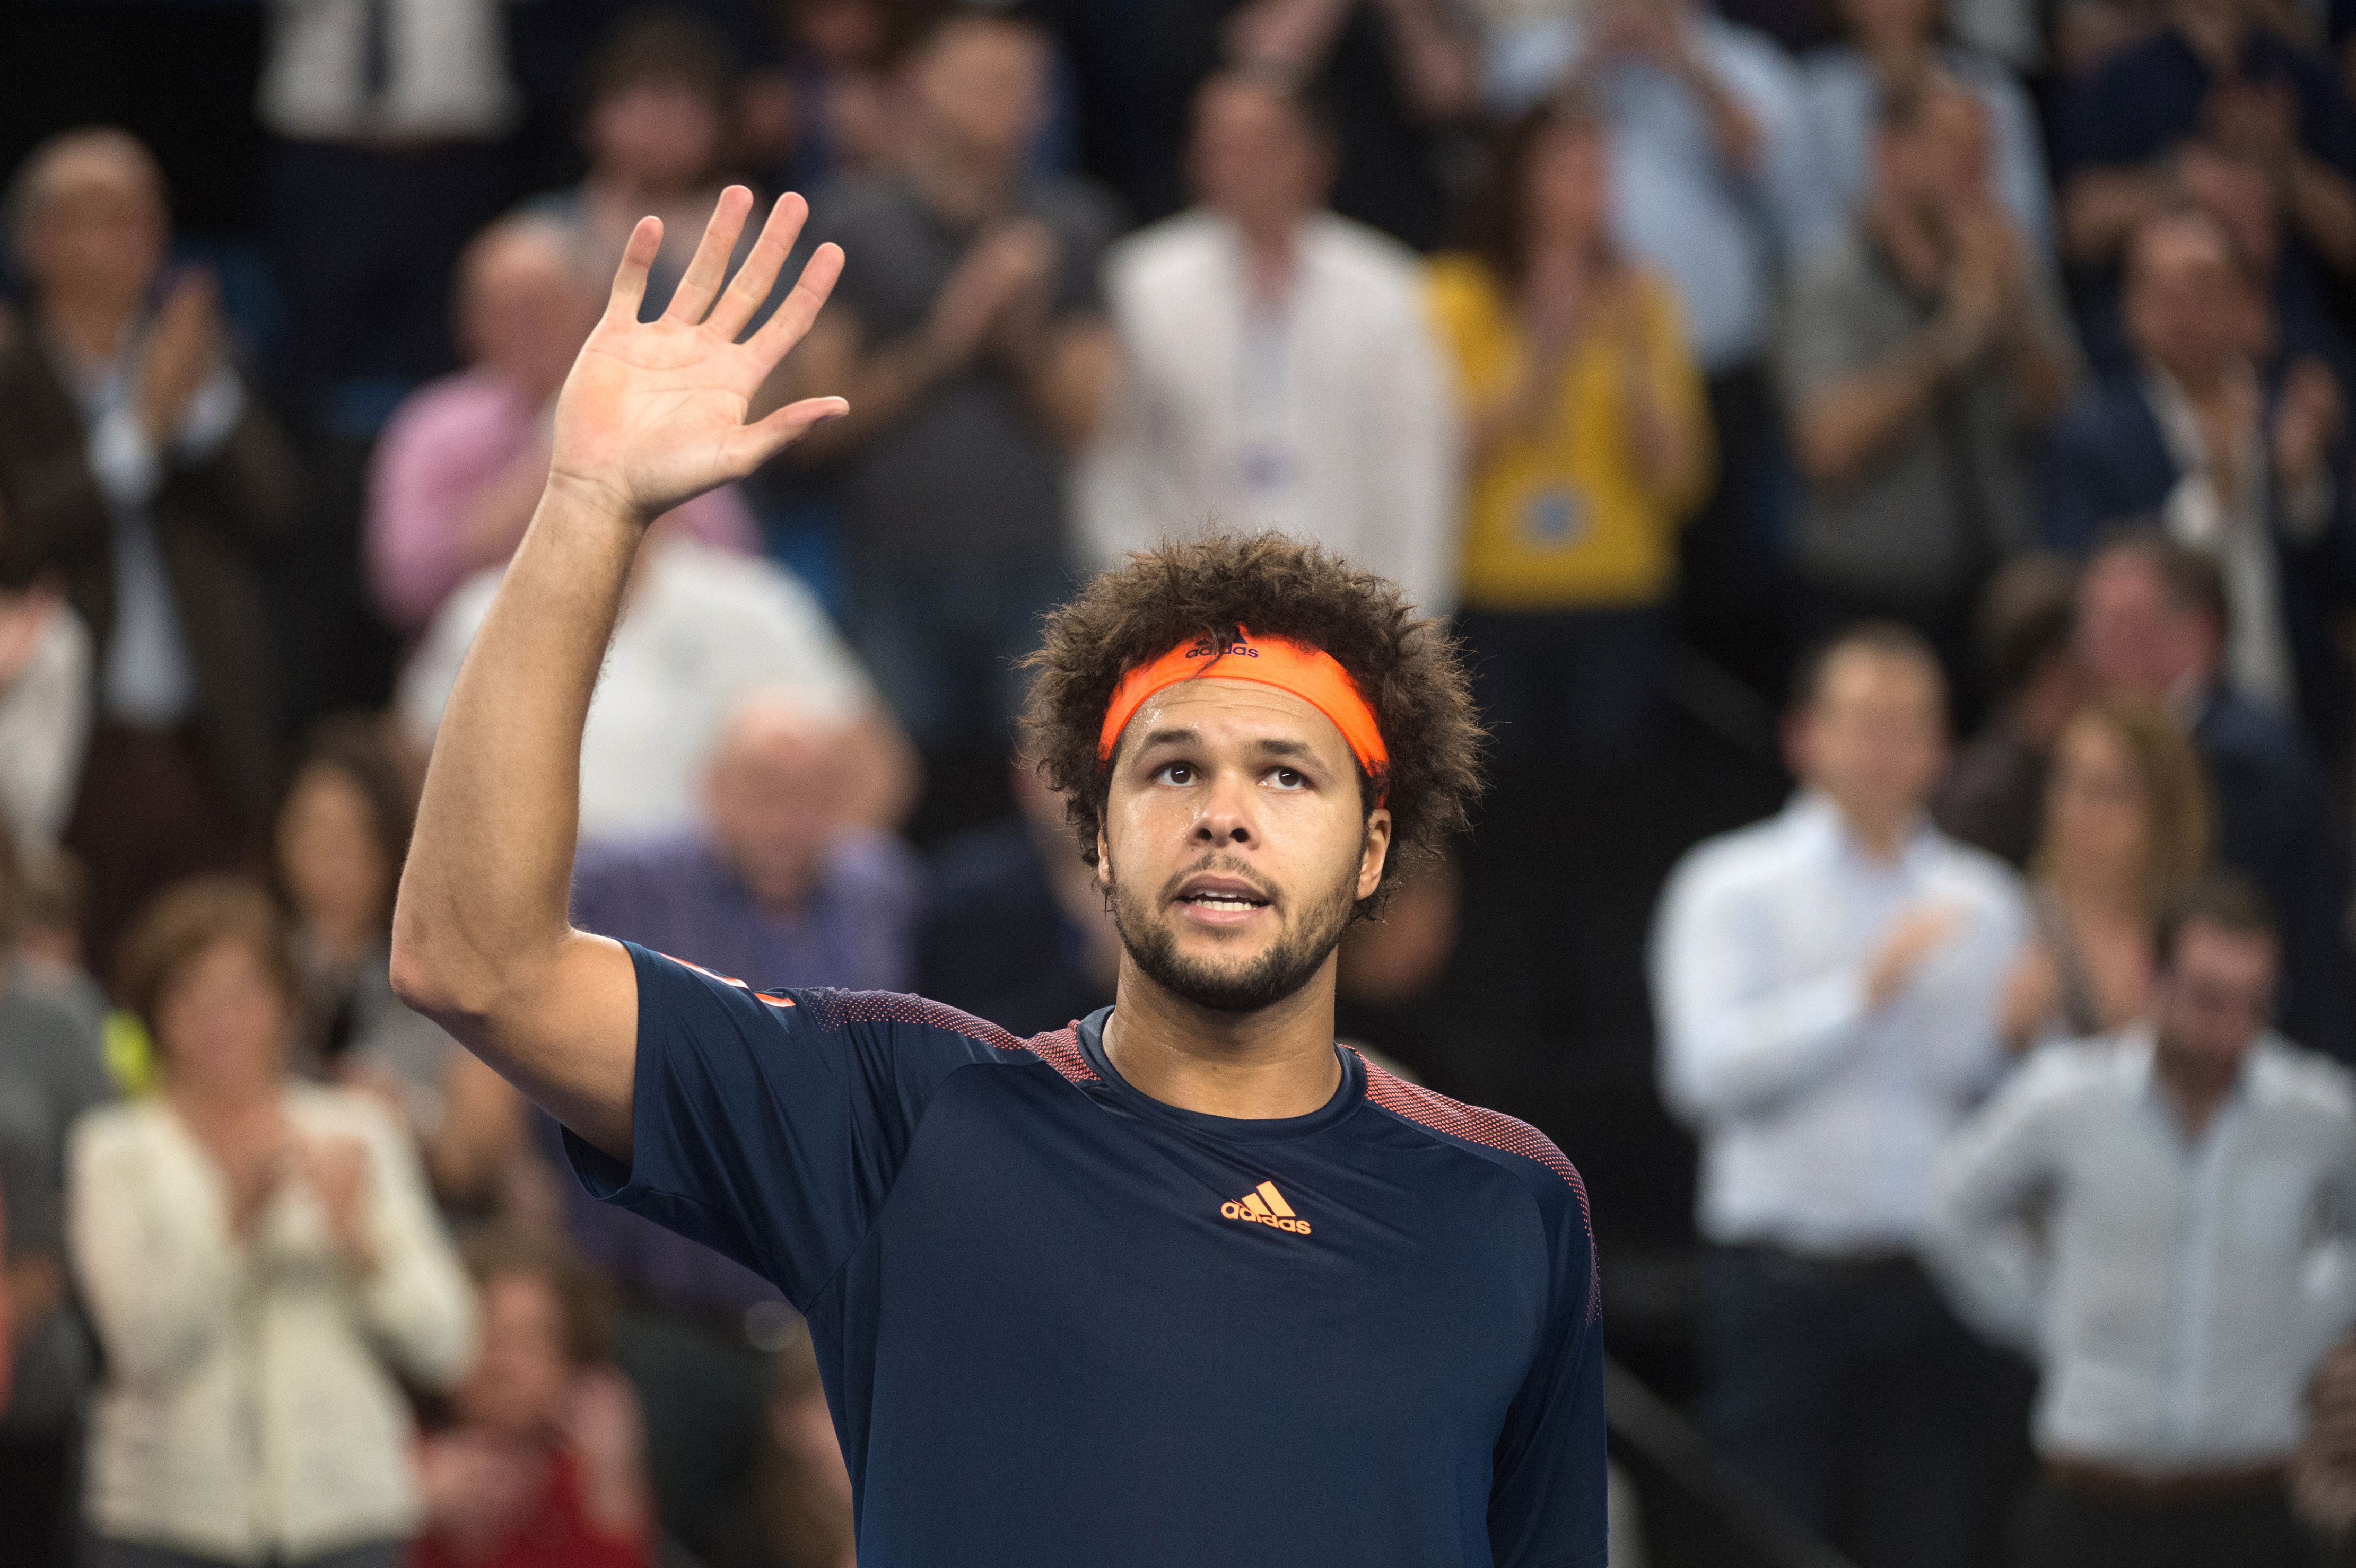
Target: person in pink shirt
461	465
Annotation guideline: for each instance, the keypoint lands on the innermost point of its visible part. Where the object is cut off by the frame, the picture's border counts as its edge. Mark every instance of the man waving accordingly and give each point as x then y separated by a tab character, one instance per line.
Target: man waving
1185	1282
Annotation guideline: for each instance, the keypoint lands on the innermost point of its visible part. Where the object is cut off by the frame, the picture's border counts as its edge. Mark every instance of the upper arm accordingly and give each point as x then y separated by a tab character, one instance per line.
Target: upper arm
566	1037
771	1125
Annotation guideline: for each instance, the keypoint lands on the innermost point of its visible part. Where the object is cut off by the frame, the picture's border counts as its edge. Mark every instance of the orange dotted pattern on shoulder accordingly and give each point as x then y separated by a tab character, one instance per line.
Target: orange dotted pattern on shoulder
1490	1129
1060	1050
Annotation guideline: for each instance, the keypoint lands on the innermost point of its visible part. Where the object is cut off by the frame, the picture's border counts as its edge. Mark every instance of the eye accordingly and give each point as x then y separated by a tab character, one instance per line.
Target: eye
1174	774
1288	778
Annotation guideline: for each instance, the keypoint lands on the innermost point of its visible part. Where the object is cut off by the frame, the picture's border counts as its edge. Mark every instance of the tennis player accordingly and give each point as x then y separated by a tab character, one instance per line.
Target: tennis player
1185	1284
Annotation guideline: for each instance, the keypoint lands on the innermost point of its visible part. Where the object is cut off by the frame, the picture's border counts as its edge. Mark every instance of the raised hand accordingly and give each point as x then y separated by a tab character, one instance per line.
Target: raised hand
653	412
182	349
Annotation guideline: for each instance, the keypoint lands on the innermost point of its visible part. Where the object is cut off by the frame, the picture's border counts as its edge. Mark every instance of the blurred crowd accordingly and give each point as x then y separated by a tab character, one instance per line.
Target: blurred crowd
1941	405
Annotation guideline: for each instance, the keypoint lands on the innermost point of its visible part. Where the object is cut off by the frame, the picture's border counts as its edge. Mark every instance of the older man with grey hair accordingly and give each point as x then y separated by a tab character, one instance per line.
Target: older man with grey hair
141	475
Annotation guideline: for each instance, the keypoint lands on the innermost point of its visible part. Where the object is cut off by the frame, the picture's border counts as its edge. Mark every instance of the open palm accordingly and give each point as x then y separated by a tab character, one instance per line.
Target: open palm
653	412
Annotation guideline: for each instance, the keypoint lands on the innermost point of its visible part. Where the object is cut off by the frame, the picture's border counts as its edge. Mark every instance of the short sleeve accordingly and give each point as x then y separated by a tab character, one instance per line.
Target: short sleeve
1547	1503
770	1125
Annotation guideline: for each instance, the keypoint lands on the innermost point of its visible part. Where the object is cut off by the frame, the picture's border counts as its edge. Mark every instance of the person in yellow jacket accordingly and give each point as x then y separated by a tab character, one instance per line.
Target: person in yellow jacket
1589	445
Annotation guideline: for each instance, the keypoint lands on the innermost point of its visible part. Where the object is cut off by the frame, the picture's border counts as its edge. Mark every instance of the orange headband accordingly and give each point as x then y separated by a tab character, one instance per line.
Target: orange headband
1311	674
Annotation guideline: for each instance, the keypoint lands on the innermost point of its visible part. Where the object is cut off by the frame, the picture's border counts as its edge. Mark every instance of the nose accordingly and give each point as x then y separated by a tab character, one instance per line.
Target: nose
1224	818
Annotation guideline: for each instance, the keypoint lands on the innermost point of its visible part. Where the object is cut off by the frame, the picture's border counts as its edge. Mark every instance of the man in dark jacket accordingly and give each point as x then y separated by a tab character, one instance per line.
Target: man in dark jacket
2152	623
2225	457
136	470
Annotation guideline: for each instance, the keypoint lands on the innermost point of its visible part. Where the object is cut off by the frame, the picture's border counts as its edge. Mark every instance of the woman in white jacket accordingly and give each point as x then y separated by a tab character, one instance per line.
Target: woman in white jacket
262	1261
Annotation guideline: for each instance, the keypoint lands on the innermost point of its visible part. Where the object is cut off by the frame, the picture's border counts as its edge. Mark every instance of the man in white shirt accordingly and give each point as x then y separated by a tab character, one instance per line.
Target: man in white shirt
389	116
1280	365
2166	1219
1827	984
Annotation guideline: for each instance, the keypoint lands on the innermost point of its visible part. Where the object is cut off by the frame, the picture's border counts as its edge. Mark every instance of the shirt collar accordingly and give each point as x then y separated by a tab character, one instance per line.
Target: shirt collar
1813	813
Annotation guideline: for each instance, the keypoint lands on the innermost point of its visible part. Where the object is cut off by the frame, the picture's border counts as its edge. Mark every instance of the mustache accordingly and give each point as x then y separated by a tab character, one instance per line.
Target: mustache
1219	866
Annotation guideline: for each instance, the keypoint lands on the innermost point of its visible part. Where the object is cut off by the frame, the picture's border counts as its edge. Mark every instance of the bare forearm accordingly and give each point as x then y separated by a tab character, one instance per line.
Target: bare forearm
2323	205
2044	373
1840	428
483	898
2099	207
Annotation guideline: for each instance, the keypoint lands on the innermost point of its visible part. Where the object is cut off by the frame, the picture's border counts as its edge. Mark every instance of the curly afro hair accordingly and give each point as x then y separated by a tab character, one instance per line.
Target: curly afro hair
1409	668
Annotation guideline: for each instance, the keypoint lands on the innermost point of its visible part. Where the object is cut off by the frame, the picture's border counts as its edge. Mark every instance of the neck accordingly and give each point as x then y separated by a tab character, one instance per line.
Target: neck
958	184
1901	58
1881	833
2196	1083
216	1104
2104	894
1259	1066
2214	30
92	330
342	939
1910	241
1269	252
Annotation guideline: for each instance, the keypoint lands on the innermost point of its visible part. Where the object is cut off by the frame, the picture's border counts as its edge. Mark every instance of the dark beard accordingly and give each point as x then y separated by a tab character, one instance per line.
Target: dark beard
1276	974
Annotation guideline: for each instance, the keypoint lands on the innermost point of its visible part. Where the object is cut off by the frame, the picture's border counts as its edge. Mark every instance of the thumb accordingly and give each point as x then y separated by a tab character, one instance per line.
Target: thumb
758	443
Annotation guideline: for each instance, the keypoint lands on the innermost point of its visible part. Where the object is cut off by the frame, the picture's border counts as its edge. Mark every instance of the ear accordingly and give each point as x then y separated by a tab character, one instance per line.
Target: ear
1104	857
1375	851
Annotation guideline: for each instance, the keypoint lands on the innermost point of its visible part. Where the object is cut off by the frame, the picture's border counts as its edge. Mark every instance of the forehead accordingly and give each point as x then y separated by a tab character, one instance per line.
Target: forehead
1241	713
1856	674
2220	949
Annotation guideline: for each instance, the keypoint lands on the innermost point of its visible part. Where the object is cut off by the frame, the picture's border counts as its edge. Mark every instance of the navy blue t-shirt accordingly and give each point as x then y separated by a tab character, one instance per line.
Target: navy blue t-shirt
1060	1322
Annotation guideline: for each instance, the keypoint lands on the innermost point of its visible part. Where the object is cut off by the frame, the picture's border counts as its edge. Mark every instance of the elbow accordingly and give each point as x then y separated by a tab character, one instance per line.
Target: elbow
428	976
1820	454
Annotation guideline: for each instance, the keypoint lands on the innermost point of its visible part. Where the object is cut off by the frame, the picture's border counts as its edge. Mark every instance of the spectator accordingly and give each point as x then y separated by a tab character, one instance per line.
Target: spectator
1396	72
1827	984
342	834
2126	833
701	629
783	885
543	1464
659	99
52	904
139	471
1894	47
1920	358
1994	796
1280	368
261	1257
969	339
50	1072
2231	461
44	690
2218	107
1015	928
388	116
1715	188
2083	1214
828	110
461	464
1590	446
2153	623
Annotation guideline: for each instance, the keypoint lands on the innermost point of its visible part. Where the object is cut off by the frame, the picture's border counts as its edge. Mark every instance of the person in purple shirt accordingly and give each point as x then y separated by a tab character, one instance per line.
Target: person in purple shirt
778	887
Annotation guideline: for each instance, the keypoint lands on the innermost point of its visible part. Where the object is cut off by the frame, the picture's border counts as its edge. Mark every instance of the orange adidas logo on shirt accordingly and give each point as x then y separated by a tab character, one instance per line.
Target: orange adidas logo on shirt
1264	1205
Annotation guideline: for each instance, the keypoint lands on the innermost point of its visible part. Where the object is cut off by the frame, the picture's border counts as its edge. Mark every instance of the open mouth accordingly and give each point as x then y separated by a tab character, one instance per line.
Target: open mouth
1228	901
1222	895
